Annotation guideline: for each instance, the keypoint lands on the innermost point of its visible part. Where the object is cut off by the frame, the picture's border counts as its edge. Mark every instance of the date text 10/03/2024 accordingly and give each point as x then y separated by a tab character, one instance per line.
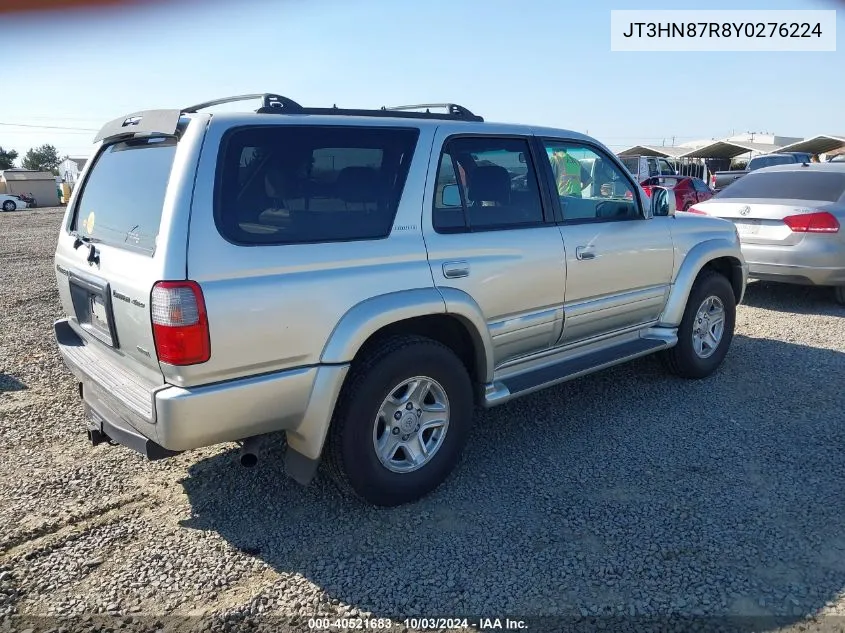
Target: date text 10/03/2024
505	624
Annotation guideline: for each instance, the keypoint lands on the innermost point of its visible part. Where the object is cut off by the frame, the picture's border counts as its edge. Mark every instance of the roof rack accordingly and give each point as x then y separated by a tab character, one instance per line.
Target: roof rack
277	104
270	102
453	109
166	122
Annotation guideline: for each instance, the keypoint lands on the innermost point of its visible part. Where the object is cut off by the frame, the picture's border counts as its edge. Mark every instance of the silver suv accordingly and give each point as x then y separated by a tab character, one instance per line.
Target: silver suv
361	279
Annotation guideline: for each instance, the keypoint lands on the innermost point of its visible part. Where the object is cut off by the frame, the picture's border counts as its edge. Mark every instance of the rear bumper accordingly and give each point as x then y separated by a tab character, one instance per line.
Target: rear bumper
819	262
163	420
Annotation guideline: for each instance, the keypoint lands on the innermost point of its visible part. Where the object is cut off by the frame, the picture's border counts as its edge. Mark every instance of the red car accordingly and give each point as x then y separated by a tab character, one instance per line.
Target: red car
688	189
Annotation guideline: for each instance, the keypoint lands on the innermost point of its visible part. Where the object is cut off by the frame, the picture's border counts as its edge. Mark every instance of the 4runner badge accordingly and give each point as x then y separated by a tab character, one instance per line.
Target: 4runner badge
89	223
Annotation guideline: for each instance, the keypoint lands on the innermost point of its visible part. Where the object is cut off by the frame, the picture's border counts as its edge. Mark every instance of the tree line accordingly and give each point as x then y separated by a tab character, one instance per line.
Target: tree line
42	158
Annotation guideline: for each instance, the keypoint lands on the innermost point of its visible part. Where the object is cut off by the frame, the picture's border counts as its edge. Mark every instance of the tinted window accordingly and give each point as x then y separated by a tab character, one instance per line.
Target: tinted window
589	185
632	165
665	167
700	185
768	161
788	185
300	184
486	183
122	198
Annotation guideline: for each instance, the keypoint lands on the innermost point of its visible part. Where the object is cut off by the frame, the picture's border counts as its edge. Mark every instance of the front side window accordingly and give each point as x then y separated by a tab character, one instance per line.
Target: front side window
486	183
287	184
589	185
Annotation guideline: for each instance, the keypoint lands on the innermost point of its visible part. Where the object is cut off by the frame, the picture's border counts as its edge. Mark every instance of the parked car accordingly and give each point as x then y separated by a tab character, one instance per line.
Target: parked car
687	189
10	202
721	179
789	218
361	279
642	167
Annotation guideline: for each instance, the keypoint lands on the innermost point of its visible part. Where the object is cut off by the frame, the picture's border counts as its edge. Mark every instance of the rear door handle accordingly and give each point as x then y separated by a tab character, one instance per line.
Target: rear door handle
584	252
454	270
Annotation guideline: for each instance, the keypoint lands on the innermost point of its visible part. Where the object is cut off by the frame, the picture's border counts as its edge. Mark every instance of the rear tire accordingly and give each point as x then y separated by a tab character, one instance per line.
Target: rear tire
9	206
706	330
839	294
383	409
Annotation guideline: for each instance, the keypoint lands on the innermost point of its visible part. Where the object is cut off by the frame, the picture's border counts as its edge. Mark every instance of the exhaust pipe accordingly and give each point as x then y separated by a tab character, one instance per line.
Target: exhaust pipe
249	452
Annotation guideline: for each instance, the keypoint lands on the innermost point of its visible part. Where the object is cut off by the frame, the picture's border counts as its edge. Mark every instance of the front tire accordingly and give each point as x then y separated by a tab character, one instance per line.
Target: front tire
706	330
401	422
9	206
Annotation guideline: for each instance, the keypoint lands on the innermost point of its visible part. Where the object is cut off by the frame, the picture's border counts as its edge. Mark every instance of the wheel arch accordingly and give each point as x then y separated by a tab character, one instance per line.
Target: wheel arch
446	315
718	255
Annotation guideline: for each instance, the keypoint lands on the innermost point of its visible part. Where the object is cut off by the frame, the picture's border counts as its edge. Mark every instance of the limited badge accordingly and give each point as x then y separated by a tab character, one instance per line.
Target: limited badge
89	223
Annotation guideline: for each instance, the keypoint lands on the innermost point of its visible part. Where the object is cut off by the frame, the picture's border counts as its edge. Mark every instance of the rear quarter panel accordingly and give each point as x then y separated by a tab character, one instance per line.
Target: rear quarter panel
272	308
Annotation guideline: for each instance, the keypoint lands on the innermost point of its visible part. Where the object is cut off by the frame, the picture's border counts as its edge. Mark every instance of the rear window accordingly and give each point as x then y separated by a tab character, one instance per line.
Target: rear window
768	161
788	185
306	184
122	198
632	165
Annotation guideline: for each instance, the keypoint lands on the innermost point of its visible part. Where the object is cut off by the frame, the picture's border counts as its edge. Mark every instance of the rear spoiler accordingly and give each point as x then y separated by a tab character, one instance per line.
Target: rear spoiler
145	123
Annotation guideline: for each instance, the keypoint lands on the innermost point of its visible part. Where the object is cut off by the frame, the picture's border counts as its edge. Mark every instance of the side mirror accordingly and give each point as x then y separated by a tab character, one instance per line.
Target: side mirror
451	196
662	202
522	157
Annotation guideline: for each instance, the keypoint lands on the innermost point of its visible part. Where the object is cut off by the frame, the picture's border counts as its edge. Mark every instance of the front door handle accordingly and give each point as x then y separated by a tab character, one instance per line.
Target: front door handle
454	270
584	252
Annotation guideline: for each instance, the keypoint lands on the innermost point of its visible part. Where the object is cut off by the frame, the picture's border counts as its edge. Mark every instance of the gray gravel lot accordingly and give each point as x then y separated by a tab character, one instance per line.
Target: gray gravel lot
628	493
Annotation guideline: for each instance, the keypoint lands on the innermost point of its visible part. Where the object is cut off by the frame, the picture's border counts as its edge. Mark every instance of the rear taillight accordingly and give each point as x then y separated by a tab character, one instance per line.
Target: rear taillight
713	182
180	323
696	210
818	222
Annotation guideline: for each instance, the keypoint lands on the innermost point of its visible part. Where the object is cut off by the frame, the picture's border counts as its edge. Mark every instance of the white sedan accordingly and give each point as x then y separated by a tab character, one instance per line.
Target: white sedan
10	202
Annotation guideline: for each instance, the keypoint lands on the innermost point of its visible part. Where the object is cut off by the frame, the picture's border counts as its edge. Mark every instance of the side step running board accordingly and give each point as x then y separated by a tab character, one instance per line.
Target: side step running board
570	368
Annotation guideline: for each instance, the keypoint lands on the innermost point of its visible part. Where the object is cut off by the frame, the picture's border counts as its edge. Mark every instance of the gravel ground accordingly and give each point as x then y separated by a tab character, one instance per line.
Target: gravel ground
628	494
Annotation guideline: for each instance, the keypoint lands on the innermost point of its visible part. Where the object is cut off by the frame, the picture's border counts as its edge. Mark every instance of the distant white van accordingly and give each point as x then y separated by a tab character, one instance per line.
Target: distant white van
643	167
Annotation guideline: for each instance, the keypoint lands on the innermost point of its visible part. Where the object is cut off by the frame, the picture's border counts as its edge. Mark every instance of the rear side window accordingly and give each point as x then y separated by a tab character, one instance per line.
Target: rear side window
632	165
122	198
307	184
788	185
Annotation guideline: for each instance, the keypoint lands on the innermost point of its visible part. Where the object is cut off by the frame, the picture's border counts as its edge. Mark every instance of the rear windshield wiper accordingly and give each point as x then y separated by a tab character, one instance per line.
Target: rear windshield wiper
83	239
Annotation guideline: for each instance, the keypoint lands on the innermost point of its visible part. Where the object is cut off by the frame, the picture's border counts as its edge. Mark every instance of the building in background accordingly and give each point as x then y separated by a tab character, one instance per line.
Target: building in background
70	168
41	184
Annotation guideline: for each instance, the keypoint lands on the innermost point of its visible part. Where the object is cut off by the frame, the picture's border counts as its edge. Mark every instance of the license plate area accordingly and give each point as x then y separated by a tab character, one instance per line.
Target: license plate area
747	227
92	306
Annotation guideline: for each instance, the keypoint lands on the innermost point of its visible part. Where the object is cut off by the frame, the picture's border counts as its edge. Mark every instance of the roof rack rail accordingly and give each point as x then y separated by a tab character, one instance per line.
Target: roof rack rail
270	103
453	109
277	104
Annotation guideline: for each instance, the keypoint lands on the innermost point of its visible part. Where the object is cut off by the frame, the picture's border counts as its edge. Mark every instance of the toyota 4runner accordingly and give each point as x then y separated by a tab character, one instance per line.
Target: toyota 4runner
362	279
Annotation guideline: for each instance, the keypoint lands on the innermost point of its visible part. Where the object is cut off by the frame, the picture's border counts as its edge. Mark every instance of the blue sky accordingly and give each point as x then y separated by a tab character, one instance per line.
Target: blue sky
541	61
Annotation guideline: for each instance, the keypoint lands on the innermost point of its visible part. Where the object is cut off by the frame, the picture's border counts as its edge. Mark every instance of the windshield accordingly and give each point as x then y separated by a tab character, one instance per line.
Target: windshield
122	199
788	185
